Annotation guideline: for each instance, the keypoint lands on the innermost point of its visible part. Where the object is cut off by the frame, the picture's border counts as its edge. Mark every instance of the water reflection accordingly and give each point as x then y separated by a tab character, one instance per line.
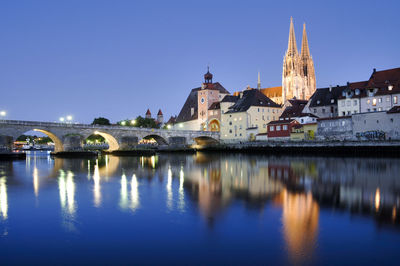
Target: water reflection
66	187
299	187
3	198
129	201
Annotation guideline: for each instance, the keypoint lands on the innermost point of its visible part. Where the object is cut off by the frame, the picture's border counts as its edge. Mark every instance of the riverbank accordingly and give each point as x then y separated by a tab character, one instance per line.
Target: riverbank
338	148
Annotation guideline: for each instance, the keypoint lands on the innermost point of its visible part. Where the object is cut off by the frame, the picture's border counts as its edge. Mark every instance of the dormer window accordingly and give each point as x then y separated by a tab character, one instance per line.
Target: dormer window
357	92
318	102
332	100
390	87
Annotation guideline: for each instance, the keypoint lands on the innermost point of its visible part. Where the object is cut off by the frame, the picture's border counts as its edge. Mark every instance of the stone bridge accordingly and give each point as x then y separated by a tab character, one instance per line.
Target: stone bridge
70	137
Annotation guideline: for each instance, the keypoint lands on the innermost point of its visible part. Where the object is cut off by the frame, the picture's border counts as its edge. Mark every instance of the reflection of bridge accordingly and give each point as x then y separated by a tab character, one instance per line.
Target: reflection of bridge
69	137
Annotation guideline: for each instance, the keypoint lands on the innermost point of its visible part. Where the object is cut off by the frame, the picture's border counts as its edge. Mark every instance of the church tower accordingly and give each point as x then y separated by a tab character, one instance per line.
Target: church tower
308	72
298	75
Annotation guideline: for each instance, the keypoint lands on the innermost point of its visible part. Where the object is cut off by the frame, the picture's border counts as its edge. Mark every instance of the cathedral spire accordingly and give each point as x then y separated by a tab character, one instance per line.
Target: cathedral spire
305	50
259	81
292	47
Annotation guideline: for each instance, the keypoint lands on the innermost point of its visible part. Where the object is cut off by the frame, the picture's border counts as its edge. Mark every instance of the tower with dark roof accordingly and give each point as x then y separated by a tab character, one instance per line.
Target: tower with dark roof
148	114
160	117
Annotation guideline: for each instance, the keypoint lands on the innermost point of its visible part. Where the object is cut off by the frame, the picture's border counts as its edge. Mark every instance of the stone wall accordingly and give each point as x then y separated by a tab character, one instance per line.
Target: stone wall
339	128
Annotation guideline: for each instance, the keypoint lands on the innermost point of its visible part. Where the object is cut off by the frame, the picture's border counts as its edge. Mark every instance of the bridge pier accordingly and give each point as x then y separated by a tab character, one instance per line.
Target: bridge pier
6	143
128	142
72	143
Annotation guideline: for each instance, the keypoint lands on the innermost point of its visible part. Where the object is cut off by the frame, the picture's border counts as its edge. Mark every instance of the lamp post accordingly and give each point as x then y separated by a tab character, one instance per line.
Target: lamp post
133	122
69	118
62	119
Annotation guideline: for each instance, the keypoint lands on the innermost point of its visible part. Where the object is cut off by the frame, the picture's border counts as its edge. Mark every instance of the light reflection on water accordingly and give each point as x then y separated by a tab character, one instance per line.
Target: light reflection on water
297	197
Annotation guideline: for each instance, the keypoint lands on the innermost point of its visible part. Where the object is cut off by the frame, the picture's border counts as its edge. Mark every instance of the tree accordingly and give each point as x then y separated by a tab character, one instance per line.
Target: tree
101	121
139	122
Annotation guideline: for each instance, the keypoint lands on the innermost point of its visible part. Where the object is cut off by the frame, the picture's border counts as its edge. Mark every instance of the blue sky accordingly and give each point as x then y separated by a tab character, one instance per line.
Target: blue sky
118	58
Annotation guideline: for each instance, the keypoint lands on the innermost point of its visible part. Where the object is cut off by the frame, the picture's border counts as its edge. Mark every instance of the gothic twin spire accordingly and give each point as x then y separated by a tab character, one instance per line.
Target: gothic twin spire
292	46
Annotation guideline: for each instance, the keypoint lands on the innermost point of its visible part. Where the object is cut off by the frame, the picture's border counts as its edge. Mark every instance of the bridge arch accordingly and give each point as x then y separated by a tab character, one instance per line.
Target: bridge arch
58	144
113	144
205	140
160	140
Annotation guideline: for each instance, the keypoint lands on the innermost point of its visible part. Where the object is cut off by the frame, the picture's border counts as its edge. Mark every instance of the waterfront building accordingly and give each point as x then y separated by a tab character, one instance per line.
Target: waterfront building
298	76
305	131
280	129
377	125
246	115
195	114
335	128
380	93
323	102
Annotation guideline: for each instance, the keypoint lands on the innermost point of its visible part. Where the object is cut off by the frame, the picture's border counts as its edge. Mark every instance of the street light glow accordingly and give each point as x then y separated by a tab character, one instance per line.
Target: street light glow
3	113
133	121
123	123
69	118
62	119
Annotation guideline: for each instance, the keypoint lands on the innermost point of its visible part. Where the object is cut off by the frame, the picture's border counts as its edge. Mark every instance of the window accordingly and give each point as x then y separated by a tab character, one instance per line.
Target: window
285	127
302	120
278	128
388	99
355	103
343	113
315	110
379	100
368	101
230	130
323	111
374	101
332	101
240	127
271	128
391	120
273	111
395	99
240	134
355	112
230	123
348	103
343	103
343	123
258	109
348	112
368	110
380	109
374	109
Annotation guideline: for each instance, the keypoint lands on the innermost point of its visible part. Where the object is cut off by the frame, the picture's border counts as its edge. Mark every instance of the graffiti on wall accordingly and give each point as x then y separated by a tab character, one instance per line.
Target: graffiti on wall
371	135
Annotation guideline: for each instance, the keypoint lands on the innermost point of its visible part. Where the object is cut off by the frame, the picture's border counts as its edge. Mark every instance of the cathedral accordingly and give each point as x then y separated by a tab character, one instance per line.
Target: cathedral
298	76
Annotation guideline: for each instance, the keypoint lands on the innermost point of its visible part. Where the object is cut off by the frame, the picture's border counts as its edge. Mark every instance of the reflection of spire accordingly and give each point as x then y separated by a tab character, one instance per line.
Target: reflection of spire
169	189
3	199
300	224
96	185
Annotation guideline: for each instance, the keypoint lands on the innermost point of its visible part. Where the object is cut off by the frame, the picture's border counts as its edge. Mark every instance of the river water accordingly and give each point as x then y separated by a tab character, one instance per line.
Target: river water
199	209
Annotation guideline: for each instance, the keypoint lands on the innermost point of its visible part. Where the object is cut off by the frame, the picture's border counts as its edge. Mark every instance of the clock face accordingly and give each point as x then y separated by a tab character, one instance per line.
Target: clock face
202	100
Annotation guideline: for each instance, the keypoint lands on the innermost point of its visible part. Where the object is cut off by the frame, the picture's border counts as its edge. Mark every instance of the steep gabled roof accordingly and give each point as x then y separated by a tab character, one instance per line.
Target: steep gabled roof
326	96
295	109
215	106
252	97
230	99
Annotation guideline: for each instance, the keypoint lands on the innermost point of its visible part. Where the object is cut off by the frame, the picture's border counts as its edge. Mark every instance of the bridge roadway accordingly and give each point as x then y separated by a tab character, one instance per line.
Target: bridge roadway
70	137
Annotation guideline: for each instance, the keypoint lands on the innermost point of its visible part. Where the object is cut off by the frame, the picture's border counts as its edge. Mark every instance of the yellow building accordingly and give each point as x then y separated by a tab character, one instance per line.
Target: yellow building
303	132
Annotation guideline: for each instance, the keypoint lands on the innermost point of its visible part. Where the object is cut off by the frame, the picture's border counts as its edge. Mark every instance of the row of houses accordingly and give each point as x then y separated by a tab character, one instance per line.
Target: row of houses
358	110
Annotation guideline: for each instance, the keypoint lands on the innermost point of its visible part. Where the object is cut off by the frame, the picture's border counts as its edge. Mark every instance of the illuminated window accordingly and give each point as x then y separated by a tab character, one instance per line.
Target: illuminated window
374	102
368	101
379	100
395	99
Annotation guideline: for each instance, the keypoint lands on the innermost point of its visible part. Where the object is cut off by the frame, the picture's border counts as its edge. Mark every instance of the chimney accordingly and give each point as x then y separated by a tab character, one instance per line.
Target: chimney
374	70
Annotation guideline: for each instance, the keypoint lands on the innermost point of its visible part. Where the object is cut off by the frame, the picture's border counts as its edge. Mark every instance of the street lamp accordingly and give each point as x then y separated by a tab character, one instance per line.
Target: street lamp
133	122
3	114
123	123
69	118
62	119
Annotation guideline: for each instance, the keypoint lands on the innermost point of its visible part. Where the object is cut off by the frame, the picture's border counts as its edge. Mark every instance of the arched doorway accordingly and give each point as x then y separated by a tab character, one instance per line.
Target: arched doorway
214	125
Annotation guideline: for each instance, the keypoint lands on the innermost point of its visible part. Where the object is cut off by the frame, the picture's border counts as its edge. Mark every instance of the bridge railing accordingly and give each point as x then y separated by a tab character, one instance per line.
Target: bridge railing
40	124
